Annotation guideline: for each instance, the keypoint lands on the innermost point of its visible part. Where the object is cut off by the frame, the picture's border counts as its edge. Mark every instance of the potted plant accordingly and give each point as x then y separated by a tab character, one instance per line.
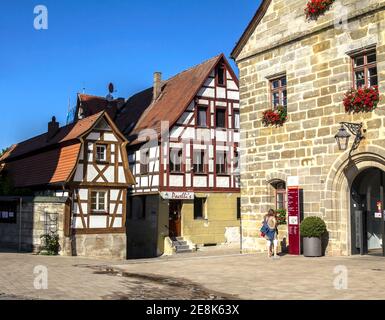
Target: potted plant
361	99
315	8
312	229
274	117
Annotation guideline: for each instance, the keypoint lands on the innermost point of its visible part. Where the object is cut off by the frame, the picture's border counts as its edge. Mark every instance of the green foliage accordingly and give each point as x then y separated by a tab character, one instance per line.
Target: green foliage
51	244
313	227
281	215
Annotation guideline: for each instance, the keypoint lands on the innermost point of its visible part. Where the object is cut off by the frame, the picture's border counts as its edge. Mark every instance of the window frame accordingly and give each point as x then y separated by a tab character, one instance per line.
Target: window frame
145	167
98	211
224	109
280	189
106	148
236	112
223	67
173	166
365	67
200	107
201	152
280	90
225	165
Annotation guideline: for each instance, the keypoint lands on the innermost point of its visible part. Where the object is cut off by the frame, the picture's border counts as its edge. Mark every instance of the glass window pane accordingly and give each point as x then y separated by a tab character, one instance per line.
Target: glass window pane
275	99
202	117
275	84
372	58
359	61
283	82
372	72
221	114
284	102
373	81
360	78
236	120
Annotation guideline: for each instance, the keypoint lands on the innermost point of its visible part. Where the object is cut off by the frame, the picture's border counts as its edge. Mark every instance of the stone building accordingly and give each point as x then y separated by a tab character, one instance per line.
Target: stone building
307	66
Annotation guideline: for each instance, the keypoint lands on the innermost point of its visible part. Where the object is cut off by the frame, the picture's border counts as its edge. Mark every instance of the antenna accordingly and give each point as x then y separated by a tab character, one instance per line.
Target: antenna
111	90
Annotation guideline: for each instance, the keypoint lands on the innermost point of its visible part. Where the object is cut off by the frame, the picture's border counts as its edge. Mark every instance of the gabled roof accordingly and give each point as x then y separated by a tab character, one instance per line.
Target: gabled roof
177	93
141	112
38	161
95	104
250	28
65	134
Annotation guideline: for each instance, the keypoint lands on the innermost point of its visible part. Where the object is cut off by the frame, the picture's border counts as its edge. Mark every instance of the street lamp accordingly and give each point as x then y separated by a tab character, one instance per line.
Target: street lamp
342	137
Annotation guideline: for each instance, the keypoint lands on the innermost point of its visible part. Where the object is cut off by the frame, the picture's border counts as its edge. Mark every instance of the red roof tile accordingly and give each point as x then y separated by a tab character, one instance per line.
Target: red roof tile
49	167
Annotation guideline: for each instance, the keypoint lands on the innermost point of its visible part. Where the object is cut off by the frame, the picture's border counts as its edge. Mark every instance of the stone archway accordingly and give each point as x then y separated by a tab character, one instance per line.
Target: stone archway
335	200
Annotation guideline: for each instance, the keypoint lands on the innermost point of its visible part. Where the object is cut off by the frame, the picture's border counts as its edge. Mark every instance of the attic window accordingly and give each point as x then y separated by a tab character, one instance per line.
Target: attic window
221	75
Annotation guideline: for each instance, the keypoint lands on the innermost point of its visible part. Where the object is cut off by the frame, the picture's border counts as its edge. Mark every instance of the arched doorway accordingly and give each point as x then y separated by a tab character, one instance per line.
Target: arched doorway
367	207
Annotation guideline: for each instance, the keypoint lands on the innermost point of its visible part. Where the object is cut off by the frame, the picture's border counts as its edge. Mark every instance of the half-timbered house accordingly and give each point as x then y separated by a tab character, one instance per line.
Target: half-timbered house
183	148
86	162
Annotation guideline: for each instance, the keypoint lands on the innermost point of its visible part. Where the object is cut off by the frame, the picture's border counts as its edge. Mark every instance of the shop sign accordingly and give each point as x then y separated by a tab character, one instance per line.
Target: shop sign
177	195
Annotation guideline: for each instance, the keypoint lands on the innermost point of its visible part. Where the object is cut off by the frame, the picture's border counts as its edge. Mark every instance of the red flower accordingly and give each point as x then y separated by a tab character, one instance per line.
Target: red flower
315	8
361	99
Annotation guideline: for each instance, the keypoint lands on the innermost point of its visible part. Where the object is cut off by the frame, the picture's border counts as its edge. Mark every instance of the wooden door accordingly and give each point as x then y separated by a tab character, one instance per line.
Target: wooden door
175	221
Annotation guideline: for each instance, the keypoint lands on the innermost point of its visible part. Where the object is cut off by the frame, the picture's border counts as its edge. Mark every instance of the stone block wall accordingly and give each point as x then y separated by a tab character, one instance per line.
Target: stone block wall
313	55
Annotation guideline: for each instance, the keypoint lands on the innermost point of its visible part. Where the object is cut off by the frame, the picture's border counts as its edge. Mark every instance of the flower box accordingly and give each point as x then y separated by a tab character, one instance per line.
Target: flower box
274	118
315	8
361	99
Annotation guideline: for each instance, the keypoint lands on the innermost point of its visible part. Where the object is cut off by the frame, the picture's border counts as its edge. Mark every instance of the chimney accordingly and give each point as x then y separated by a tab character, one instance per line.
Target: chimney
53	128
157	85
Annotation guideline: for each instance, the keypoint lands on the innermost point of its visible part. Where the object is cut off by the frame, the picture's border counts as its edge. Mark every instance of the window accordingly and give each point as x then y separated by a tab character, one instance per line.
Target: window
237	123
221	75
8	212
101	152
144	161
199	204
280	195
175	160
221	118
202	117
199	161
238	208
221	165
365	69
278	92
99	201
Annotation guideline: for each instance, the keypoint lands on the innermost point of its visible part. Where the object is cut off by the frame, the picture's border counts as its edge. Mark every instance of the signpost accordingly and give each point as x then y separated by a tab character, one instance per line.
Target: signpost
293	204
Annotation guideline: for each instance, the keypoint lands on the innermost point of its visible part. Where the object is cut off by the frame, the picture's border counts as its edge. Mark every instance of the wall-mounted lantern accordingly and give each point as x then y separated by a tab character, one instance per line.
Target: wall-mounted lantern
343	136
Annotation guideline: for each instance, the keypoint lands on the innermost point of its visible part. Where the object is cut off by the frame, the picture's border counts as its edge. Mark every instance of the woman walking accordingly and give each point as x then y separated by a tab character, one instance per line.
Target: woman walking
270	229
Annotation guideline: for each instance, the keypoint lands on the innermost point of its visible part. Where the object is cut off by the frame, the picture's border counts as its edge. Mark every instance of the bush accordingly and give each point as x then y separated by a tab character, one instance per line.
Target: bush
51	244
313	227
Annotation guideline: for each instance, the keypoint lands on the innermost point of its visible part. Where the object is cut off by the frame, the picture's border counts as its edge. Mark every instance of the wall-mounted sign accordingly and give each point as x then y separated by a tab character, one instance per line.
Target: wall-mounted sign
293	206
177	195
378	213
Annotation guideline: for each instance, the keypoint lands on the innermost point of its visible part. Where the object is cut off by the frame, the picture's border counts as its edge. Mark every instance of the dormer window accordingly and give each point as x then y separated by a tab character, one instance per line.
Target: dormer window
221	75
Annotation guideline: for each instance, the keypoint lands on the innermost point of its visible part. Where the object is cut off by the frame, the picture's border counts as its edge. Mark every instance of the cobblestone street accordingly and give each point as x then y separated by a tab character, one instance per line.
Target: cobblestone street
215	275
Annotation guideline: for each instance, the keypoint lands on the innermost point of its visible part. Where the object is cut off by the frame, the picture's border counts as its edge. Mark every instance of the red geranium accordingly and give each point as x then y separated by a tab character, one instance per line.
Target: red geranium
315	8
274	118
361	99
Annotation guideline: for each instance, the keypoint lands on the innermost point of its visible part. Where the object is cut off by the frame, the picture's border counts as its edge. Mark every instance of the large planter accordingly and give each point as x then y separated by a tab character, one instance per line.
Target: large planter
312	247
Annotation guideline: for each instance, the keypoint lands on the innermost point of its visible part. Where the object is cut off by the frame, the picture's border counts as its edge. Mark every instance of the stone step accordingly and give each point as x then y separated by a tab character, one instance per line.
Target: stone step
179	243
183	251
185	247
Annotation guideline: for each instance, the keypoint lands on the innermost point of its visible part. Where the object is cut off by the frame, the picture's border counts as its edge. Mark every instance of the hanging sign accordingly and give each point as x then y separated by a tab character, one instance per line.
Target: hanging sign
293	205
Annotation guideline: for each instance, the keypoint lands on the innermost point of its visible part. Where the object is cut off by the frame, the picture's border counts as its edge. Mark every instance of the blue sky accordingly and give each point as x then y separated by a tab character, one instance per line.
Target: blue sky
90	43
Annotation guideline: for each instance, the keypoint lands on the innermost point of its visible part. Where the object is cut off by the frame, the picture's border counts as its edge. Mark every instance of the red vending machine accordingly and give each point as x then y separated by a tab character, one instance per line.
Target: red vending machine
294	215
